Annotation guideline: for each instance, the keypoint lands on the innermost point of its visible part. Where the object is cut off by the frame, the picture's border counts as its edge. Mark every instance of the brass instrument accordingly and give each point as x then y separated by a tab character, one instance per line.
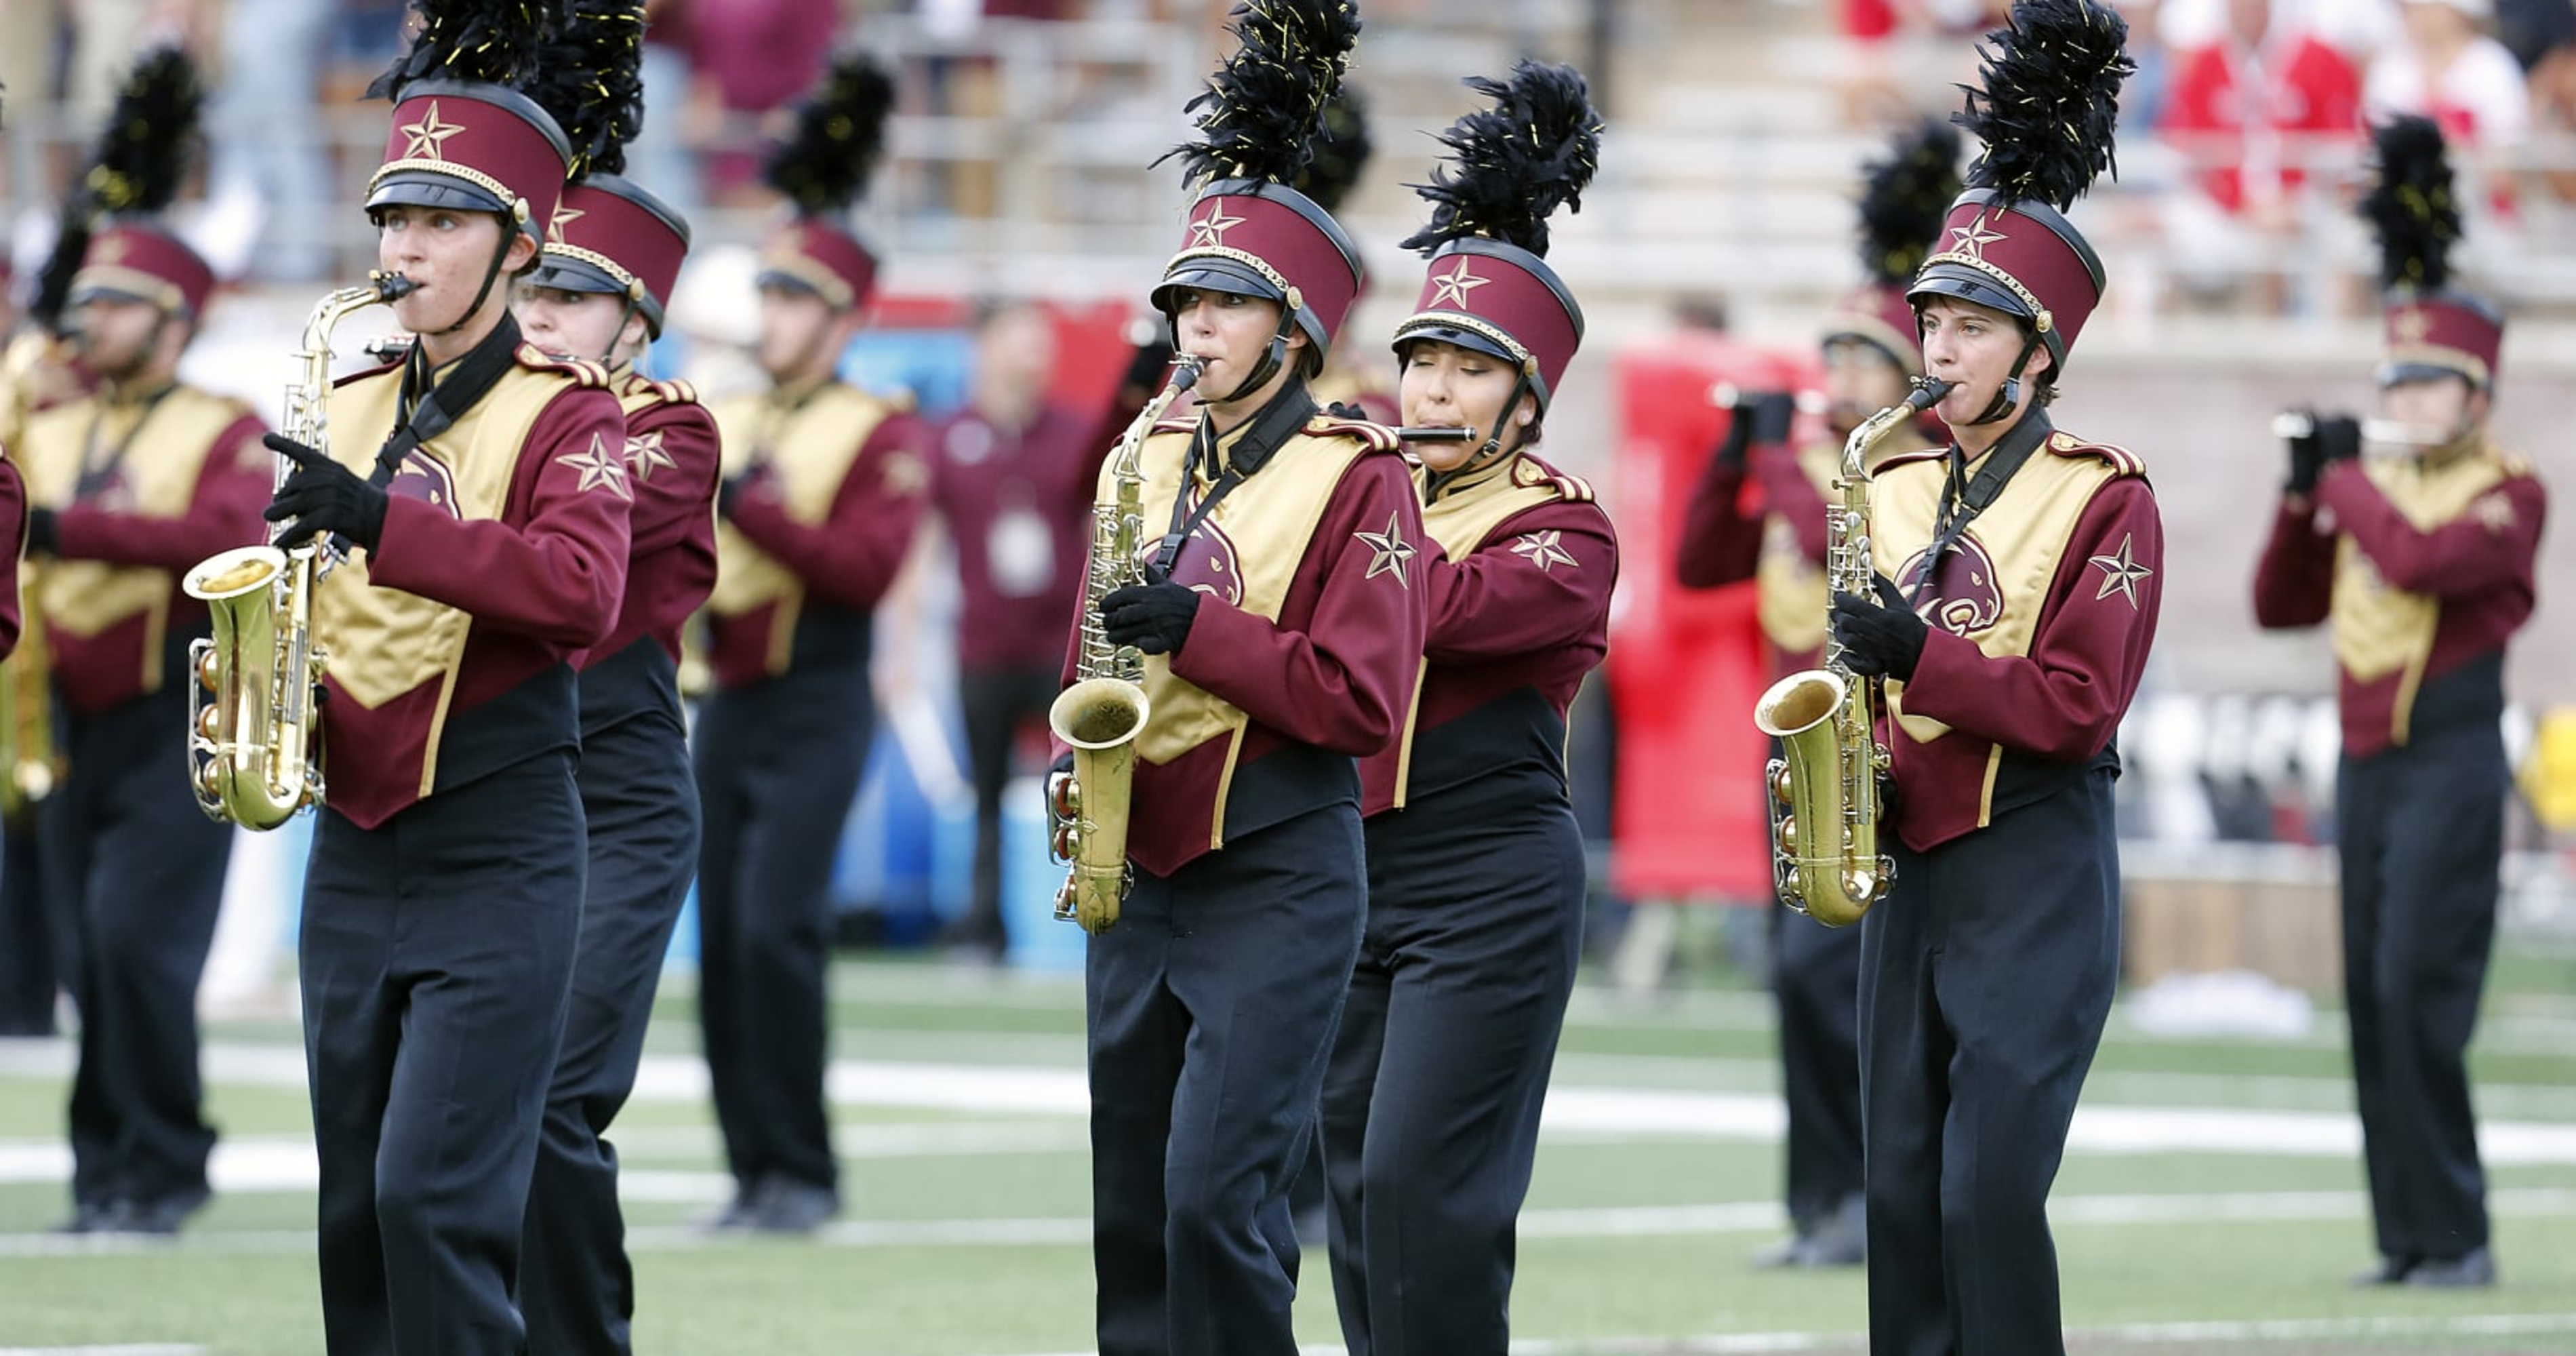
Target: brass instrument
254	727
1825	861
1104	710
1726	395
2393	435
31	766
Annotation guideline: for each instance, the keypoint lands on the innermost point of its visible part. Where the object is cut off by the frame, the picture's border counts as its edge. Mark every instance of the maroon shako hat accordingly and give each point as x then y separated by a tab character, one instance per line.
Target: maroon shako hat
1261	122
2046	113
1902	201
609	236
464	135
2430	330
823	169
138	260
1488	287
123	249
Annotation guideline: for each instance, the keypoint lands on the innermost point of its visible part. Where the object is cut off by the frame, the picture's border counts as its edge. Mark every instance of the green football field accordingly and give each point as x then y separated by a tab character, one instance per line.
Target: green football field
2210	1202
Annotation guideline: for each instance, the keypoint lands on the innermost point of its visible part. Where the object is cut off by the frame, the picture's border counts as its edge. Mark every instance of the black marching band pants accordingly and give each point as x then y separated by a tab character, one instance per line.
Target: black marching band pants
778	765
1986	977
436	952
2420	831
575	1283
996	704
1431	1107
134	874
1211	1007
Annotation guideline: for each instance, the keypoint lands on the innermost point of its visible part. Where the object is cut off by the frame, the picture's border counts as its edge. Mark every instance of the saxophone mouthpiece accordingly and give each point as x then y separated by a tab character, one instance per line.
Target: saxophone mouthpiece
1927	393
393	286
1185	372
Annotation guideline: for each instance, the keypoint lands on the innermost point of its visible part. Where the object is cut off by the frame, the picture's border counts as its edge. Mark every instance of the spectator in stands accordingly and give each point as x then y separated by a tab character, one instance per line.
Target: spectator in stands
2444	66
747	58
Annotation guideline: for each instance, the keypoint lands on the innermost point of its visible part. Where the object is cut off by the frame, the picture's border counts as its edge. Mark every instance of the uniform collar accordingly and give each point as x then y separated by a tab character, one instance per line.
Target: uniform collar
2012	449
117	397
1248	446
1436	488
794	394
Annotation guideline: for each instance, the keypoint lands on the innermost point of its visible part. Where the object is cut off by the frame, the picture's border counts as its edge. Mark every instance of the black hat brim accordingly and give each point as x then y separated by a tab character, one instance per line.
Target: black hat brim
427	188
2395	374
578	275
1967	284
1451	334
1213	275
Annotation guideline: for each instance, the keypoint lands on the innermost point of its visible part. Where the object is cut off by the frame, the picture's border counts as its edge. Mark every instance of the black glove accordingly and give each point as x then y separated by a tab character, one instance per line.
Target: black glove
2338	439
324	496
1770	417
44	532
1882	639
2306	462
1154	616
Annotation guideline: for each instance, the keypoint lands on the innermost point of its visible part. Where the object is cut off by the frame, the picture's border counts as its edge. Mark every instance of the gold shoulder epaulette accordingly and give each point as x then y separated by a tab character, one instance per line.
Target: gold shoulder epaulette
1910	458
1530	473
674	392
2513	464
900	400
583	371
2121	460
1184	424
1375	436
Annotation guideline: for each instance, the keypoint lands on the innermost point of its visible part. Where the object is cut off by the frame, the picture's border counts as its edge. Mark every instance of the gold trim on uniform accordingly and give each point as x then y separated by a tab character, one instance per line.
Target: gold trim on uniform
2040	316
830	286
1249	260
616	271
132	282
2378	628
1460	320
2439	355
454	169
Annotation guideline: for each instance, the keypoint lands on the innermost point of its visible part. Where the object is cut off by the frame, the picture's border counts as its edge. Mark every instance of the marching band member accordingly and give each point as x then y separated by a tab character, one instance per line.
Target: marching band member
2424	565
598	293
823	485
1871	355
133	483
1475	866
1282	628
482	490
2021	570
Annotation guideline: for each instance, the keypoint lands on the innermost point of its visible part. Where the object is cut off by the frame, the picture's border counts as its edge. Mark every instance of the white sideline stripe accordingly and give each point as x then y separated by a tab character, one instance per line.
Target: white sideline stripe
1031	1090
2258	1330
1612	1222
130	1349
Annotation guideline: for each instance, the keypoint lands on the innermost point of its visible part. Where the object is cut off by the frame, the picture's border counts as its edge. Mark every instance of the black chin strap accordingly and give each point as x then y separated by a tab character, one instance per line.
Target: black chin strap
2008	396
491	274
1273	357
619	335
1492	448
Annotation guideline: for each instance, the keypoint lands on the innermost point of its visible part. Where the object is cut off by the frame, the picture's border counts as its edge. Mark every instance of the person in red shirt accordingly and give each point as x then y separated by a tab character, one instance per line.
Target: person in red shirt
1280	633
598	293
2255	107
1871	355
133	483
1475	867
823	485
2020	572
2423	561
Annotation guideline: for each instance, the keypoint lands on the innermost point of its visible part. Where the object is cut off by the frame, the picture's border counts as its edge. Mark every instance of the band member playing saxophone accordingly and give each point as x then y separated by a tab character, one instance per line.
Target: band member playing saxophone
598	292
2020	583
481	493
1475	867
2423	562
134	482
823	485
1871	352
1280	621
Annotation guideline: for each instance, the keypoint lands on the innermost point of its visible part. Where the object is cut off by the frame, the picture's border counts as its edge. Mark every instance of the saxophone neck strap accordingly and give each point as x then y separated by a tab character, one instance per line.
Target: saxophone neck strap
1267	430
433	408
1966	496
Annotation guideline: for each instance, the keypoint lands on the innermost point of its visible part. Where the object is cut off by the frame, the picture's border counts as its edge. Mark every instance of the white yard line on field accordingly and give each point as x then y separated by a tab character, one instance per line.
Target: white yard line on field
128	1349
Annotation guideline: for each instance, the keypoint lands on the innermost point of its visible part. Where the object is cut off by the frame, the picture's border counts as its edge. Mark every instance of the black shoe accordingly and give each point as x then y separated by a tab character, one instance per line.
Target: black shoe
93	1217
163	1215
2470	1270
786	1206
1842	1240
1787	1252
734	1214
2391	1270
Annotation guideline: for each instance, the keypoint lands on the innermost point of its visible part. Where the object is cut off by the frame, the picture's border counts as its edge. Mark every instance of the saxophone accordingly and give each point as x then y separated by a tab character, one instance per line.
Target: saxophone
1825	861
254	728
1104	710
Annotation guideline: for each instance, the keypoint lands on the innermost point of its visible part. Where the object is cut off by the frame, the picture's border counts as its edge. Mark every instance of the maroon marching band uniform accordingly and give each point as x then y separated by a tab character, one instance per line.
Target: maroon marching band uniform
2424	565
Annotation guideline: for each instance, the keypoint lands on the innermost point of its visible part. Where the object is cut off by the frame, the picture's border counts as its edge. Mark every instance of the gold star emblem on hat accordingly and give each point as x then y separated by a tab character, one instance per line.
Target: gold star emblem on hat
429	135
598	467
645	455
1542	549
1391	551
2120	573
112	250
1452	288
1971	240
2412	324
1211	229
564	216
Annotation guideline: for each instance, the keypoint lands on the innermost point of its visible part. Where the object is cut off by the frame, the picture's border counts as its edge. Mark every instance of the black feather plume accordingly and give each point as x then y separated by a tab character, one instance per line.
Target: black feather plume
1516	162
1341	151
493	41
54	280
143	151
825	165
1262	109
1903	199
2052	94
590	76
2411	207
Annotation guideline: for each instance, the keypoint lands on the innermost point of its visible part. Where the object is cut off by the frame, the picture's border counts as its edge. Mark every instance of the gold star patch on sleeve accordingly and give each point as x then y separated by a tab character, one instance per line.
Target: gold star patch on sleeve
599	467
2494	512
905	475
2121	573
645	455
1543	550
1390	551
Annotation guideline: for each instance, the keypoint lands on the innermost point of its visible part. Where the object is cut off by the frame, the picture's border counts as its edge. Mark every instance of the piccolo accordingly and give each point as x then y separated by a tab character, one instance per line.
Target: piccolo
1436	435
2376	432
1726	395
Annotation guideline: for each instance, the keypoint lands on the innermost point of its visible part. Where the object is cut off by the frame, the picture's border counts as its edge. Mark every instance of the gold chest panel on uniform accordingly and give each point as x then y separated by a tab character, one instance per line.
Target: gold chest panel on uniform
166	444
2380	629
385	642
2013	548
1788	588
810	449
1252	542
